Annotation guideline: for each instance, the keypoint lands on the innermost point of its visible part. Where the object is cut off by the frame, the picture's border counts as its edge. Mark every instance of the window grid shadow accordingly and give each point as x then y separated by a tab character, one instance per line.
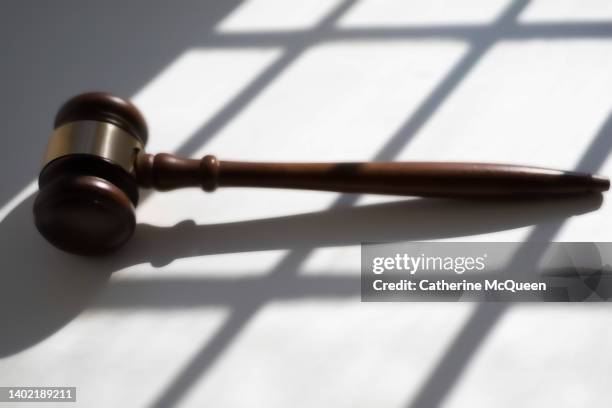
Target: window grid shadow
480	39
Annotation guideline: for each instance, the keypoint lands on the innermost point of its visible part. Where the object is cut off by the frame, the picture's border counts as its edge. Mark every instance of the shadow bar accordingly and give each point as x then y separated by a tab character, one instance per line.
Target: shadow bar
208	354
465	345
457	32
500	30
211	351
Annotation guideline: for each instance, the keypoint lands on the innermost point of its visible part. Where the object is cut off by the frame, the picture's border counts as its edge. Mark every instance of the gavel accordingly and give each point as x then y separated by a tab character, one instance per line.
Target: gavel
95	162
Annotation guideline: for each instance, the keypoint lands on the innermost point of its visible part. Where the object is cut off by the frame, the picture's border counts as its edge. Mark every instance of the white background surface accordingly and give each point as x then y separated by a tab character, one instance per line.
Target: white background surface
251	297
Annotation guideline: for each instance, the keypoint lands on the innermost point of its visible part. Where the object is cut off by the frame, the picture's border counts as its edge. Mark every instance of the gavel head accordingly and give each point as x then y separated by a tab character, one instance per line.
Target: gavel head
87	189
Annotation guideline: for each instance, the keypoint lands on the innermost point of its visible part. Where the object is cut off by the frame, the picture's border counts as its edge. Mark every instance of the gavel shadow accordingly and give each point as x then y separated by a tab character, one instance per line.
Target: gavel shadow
42	289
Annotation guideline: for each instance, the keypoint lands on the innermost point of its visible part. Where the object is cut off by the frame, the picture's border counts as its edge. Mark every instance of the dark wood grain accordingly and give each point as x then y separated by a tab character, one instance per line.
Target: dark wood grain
423	179
85	215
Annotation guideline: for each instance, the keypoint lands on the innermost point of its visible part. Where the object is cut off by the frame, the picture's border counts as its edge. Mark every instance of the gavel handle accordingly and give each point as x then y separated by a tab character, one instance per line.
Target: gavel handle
424	179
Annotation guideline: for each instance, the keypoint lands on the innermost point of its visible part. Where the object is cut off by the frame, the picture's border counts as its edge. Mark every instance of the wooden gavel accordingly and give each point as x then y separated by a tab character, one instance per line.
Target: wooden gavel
95	162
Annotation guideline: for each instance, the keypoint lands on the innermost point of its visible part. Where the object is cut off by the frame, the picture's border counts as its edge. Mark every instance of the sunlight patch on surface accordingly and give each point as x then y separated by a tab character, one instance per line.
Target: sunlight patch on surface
276	15
537	103
231	265
554	351
308	345
567	11
193	88
151	346
334	261
396	13
338	102
27	191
